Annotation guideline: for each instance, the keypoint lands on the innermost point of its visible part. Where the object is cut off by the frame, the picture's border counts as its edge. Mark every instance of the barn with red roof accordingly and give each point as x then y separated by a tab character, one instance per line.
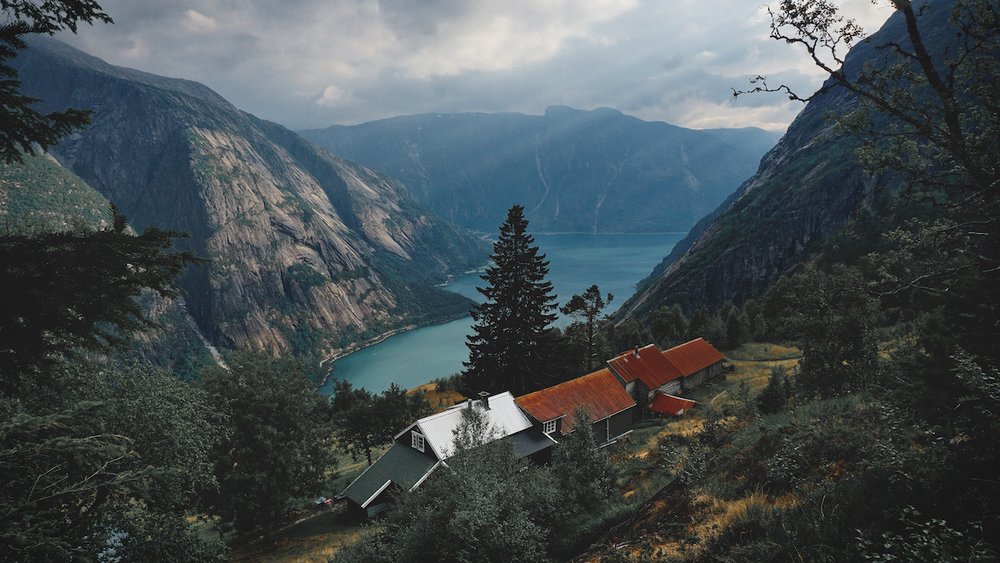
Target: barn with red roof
647	371
696	360
598	394
644	370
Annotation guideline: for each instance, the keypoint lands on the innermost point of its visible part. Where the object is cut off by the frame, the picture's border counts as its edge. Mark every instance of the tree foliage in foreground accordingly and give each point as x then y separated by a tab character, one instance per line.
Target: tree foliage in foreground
921	485
486	505
22	128
365	421
278	441
97	468
78	289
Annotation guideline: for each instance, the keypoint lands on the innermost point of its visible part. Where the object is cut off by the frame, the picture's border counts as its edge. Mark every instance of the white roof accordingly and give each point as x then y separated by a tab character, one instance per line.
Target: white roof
438	429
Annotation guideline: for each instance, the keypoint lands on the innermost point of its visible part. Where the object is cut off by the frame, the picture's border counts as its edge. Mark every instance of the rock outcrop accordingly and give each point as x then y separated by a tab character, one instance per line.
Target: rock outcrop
308	252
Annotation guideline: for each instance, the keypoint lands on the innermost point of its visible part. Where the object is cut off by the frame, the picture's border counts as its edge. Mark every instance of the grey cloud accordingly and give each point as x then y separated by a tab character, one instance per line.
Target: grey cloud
310	63
424	19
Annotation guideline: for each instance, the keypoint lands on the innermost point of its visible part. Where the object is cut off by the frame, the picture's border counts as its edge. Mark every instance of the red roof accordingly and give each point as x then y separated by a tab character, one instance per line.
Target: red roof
669	404
694	356
649	365
599	394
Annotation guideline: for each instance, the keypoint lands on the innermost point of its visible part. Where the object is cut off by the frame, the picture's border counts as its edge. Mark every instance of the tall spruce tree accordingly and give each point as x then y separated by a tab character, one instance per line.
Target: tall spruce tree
509	345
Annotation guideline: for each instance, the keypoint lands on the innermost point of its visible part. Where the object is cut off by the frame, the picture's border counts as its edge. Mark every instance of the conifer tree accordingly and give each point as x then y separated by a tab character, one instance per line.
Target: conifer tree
509	345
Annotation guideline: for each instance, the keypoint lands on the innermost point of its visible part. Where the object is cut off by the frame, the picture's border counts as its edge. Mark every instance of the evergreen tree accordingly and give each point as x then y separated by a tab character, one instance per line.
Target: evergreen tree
510	344
758	328
25	130
737	327
714	330
775	394
76	290
697	323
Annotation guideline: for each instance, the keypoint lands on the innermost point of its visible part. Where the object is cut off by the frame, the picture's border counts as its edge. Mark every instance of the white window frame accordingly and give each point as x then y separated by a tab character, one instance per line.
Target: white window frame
417	440
549	427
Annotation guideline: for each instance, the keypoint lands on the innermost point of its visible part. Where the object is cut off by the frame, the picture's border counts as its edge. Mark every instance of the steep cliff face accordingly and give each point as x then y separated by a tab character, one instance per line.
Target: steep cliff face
807	189
583	171
308	252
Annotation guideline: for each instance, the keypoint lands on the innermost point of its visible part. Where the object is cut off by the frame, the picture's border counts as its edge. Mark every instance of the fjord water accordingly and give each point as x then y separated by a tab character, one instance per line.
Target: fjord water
615	262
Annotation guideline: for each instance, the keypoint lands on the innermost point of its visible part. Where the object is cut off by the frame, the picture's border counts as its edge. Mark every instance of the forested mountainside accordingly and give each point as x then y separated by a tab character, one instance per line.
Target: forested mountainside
572	170
807	189
306	251
38	195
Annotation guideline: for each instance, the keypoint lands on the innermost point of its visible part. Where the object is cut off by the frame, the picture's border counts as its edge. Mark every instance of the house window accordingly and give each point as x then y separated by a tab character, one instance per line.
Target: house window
417	440
550	427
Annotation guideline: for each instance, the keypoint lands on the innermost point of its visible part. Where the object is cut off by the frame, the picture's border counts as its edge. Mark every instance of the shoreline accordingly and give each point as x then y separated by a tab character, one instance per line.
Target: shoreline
343	352
550	233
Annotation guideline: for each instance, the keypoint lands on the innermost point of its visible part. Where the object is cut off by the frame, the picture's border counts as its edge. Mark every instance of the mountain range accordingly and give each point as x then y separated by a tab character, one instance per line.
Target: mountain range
594	171
307	252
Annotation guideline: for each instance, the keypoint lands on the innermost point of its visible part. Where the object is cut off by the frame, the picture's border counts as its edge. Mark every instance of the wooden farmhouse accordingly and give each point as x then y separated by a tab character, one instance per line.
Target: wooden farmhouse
636	383
425	445
648	372
609	406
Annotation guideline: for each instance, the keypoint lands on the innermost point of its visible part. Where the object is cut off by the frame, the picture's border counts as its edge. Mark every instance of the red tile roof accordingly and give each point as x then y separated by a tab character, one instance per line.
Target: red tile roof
599	394
669	404
650	366
692	357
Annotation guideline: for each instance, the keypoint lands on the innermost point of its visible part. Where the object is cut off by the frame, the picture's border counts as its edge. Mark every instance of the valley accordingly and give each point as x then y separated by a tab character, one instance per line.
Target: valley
255	336
615	262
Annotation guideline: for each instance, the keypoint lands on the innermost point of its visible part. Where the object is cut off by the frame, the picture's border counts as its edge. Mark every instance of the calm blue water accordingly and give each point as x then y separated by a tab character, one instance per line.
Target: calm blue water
615	262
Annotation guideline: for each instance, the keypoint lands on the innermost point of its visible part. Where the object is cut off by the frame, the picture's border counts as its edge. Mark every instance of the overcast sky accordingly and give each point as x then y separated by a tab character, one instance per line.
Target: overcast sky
313	63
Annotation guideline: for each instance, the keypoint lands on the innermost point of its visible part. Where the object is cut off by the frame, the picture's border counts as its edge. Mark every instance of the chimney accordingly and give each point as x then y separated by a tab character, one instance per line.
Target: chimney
484	397
636	352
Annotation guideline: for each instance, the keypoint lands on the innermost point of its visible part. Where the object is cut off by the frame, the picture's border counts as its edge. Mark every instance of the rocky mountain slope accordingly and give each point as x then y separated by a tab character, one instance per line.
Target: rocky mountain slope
573	170
308	253
807	189
38	194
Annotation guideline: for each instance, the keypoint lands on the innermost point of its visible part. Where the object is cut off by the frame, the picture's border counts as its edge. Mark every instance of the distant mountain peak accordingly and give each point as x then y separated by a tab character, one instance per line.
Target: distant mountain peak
573	170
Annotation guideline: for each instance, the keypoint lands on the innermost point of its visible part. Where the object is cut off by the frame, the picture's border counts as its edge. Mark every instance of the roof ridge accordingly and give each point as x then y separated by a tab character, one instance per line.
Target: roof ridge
693	340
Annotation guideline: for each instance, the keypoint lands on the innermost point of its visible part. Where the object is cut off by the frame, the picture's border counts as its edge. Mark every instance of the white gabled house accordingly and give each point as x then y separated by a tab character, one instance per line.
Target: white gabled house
425	445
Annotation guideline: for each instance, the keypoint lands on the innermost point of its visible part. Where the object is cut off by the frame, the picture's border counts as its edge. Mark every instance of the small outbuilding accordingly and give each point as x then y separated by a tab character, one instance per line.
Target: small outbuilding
665	404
